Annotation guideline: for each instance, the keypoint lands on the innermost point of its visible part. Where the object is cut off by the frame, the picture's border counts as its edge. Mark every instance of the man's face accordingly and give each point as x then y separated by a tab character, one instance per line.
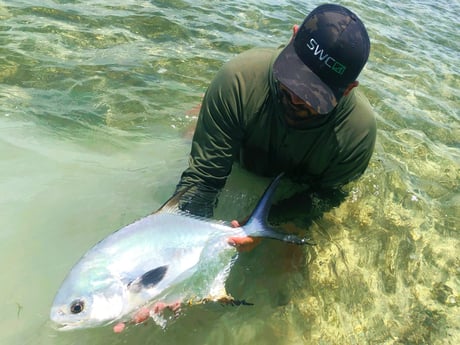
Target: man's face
297	113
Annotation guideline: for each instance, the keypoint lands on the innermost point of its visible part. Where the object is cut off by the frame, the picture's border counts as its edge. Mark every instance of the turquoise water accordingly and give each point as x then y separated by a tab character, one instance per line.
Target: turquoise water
97	100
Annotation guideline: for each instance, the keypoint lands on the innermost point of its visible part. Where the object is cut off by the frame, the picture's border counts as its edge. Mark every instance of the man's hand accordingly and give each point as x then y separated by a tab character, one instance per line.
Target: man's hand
243	244
144	313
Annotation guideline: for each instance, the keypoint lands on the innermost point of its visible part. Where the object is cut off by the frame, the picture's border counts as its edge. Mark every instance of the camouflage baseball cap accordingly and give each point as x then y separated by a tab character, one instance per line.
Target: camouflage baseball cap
327	54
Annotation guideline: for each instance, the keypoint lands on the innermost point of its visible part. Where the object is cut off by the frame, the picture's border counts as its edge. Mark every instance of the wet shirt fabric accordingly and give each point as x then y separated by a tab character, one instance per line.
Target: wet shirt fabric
242	120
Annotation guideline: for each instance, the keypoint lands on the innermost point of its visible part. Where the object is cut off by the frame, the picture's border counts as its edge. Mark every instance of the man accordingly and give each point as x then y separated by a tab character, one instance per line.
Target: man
292	110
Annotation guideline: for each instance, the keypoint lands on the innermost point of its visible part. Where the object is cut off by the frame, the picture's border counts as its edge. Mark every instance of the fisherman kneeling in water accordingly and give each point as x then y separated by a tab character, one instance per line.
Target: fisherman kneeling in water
294	110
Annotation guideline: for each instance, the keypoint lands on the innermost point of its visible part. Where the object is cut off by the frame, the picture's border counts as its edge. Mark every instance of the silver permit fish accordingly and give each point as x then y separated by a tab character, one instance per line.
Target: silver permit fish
166	256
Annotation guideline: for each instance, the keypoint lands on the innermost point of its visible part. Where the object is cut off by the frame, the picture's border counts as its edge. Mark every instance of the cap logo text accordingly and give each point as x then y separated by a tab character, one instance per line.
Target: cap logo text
328	60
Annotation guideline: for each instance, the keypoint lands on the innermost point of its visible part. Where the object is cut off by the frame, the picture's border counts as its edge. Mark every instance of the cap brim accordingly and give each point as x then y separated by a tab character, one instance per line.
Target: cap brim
290	71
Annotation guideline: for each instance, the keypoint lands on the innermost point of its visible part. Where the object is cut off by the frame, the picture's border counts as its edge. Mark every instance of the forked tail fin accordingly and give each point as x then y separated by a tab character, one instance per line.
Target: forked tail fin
260	213
257	225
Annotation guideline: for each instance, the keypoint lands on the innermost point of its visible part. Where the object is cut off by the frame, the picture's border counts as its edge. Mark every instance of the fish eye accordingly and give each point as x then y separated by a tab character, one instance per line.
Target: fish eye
77	306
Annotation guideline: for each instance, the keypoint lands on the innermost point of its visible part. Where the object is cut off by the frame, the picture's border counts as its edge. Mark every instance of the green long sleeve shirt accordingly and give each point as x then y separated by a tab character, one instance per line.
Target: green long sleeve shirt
241	119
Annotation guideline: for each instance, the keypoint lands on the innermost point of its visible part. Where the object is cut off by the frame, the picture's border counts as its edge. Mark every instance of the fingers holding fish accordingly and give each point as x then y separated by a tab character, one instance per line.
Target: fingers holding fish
144	313
244	244
119	327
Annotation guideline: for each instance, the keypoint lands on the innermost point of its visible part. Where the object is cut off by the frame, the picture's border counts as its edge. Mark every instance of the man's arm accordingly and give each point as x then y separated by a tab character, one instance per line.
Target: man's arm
217	138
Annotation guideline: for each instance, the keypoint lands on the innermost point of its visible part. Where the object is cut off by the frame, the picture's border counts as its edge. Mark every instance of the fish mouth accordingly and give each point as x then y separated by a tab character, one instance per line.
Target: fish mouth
64	325
60	326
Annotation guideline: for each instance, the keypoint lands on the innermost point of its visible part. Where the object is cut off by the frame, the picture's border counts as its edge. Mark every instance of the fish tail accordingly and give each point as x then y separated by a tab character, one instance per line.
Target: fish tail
260	213
257	225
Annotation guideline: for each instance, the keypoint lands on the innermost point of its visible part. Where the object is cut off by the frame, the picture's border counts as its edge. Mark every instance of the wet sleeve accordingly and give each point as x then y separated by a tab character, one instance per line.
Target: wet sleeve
356	145
216	140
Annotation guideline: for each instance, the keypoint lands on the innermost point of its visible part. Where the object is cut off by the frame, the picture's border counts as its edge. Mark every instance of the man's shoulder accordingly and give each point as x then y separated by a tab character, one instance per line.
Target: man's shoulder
246	78
356	110
252	61
259	54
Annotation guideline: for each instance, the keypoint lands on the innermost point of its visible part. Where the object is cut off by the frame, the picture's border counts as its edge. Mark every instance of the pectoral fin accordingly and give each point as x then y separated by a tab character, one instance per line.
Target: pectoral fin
148	279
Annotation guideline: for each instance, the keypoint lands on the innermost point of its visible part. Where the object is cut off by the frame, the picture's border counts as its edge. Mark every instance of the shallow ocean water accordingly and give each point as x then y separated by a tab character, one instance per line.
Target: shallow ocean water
97	102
